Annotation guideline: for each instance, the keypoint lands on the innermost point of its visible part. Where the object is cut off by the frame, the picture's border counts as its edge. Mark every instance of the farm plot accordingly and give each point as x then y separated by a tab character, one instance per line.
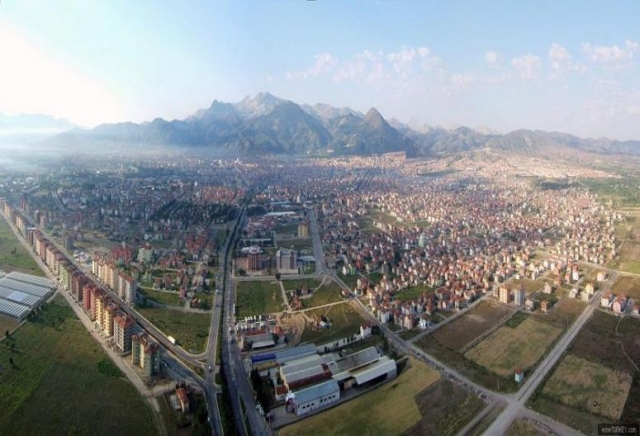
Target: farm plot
445	408
486	315
390	409
586	385
509	348
610	345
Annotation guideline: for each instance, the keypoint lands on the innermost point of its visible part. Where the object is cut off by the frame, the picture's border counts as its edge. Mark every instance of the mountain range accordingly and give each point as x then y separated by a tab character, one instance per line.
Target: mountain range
268	124
25	127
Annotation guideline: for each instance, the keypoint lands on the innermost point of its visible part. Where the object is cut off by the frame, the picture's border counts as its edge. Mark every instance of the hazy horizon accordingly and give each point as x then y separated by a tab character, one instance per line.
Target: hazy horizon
569	67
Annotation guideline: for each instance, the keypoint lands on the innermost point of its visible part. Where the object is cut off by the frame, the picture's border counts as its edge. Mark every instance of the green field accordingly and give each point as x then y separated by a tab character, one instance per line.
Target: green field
257	298
297	244
7	323
412	293
190	330
167	298
290	285
63	383
586	385
350	281
13	255
509	348
390	409
330	292
345	321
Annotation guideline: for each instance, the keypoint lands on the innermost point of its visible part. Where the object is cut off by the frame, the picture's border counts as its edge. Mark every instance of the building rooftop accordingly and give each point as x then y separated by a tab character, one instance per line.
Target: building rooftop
311	393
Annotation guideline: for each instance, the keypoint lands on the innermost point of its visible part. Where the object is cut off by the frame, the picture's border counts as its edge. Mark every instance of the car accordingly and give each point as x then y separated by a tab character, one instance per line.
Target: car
210	368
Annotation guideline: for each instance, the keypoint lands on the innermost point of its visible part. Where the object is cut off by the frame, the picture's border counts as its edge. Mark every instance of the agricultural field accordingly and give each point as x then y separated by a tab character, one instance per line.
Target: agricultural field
606	346
190	330
391	409
629	286
58	369
587	385
330	292
445	409
509	348
473	324
13	255
162	297
257	298
563	313
345	321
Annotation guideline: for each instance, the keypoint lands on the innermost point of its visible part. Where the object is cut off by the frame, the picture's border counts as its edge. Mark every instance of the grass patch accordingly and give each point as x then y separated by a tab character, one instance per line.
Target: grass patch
472	325
107	367
523	427
297	244
330	292
57	387
629	286
516	319
190	330
7	323
412	293
351	280
345	321
390	409
166	298
13	255
445	408
509	348
586	385
257	298
291	285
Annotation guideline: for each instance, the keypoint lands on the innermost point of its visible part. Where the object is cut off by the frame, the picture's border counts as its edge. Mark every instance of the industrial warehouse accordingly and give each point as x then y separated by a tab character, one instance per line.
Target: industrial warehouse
305	380
21	293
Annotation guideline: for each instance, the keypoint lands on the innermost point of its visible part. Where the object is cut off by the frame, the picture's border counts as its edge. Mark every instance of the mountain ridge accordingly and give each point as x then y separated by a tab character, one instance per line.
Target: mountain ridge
269	124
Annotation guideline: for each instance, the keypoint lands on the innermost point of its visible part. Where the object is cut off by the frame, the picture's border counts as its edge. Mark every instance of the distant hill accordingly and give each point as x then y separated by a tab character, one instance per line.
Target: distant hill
27	127
268	124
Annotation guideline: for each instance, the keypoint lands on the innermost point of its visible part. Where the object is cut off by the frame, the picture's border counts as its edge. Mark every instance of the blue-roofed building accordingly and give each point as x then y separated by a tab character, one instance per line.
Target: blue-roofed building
309	399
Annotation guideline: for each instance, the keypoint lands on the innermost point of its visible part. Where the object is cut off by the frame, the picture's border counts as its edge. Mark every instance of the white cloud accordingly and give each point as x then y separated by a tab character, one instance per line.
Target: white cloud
527	66
491	57
461	81
611	56
402	61
561	60
558	55
323	63
33	81
377	68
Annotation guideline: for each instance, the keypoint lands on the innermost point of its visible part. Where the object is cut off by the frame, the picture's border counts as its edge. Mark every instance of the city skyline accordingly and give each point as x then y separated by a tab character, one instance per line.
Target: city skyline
504	65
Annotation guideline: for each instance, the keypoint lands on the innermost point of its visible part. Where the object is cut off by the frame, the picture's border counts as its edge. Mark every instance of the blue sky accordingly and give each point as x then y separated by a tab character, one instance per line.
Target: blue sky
569	66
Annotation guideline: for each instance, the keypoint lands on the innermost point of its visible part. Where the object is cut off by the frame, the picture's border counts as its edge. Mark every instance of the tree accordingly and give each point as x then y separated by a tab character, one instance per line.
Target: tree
11	362
7	334
278	276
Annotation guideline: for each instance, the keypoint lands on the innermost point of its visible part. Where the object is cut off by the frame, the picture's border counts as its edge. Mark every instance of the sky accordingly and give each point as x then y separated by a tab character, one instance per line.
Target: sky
570	66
